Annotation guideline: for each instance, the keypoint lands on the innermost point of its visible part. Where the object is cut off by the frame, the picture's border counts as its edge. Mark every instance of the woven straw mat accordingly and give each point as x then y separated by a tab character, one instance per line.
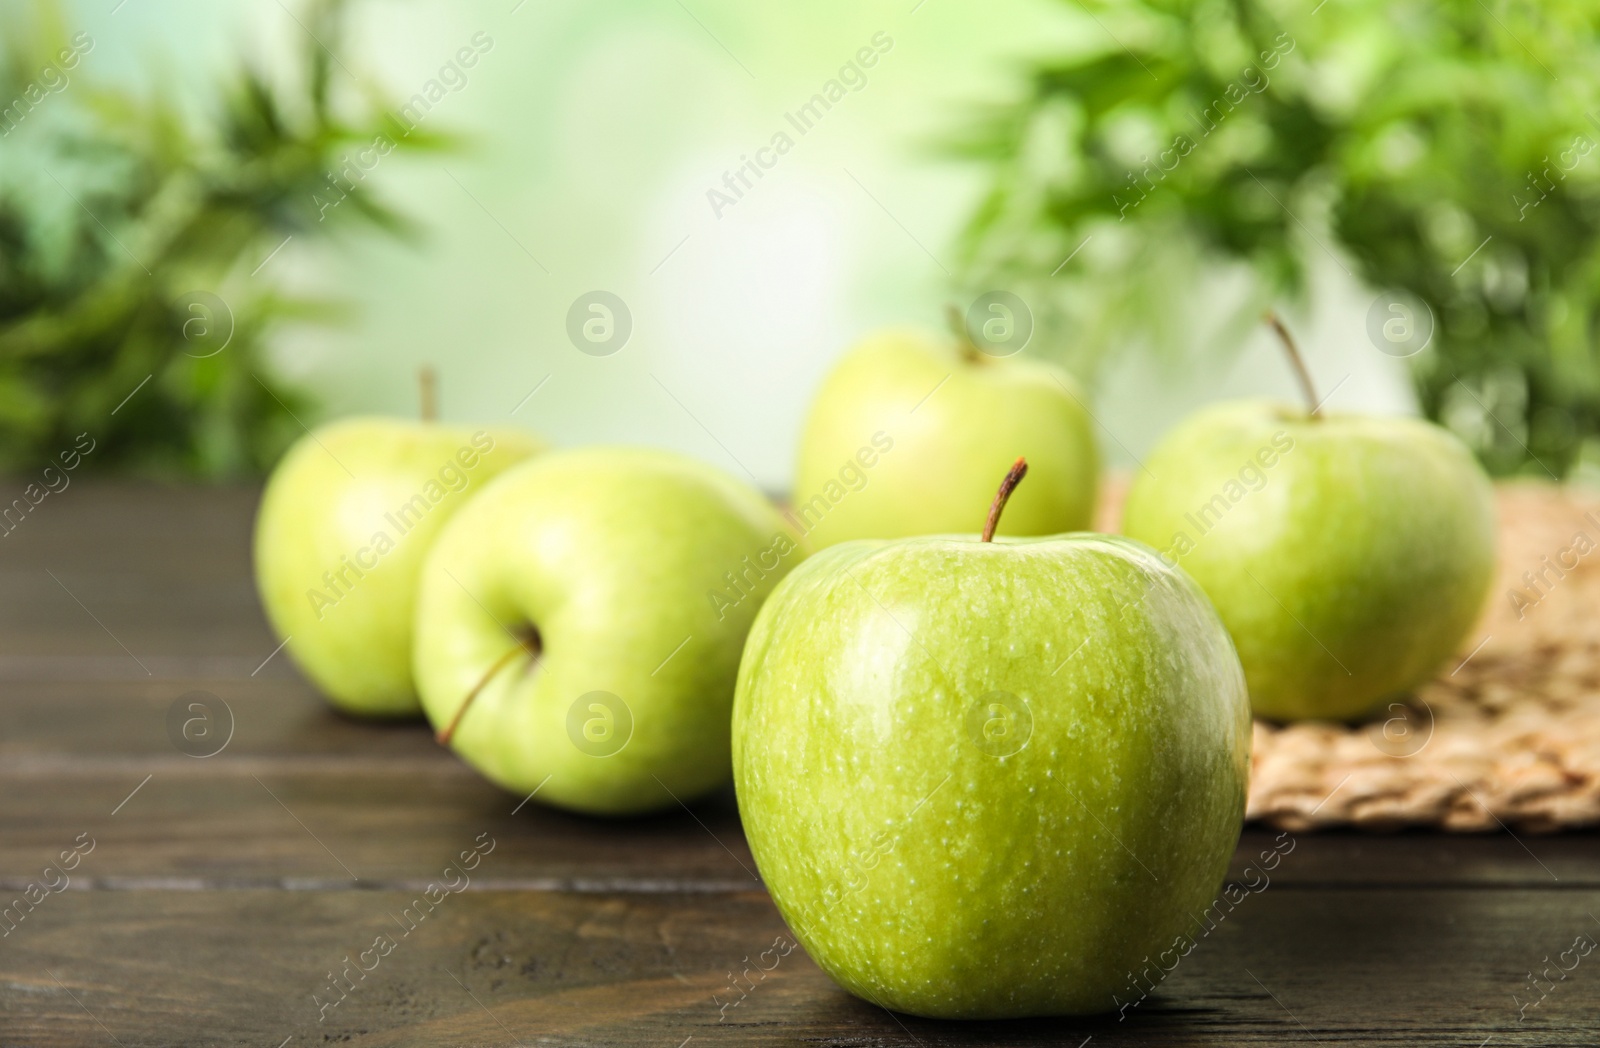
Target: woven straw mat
1507	734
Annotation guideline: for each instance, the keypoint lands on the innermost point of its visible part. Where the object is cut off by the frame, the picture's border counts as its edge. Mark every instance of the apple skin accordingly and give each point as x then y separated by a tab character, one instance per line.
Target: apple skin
612	555
313	512
930	877
945	449
1373	537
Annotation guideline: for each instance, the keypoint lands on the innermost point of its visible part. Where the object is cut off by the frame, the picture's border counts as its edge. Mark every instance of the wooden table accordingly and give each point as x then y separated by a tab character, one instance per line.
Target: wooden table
223	894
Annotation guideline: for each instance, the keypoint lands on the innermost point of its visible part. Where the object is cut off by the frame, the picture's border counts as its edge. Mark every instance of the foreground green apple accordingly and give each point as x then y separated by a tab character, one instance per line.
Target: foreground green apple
908	433
340	536
581	623
990	779
1348	556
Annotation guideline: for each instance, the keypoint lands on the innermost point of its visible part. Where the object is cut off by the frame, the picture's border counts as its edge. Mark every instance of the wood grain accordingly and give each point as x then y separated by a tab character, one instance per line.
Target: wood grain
379	794
221	891
1289	966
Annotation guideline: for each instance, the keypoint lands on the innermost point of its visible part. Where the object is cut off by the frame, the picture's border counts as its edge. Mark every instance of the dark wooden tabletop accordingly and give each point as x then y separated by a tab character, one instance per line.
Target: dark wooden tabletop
215	900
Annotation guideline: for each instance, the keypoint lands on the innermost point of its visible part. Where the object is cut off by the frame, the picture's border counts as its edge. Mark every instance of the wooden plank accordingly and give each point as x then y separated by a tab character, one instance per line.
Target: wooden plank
66	610
380	795
127	717
222	891
118	526
239	820
372	826
136	571
1287	966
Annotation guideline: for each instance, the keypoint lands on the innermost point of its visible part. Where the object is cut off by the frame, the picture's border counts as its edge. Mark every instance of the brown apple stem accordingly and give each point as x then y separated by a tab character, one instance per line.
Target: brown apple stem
1300	369
958	328
428	387
1014	475
444	735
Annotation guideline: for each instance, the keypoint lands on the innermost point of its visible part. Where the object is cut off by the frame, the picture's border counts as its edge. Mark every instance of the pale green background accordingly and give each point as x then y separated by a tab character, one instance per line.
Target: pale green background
598	128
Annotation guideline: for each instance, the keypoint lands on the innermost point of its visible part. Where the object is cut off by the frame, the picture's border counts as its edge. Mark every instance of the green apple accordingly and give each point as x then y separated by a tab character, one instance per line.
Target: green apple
989	779
339	541
909	431
1348	555
581	623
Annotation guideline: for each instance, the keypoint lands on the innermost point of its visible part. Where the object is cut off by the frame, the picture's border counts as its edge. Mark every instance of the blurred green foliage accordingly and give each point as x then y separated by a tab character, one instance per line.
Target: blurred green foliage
129	229
1211	148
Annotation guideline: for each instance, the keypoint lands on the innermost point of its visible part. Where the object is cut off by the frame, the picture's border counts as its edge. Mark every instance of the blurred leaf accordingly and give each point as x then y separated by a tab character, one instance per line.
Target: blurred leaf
1252	136
128	231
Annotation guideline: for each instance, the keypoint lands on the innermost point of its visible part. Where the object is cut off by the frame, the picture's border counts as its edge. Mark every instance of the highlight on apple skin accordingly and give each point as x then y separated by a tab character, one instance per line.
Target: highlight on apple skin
944	419
343	526
581	622
986	780
1349	556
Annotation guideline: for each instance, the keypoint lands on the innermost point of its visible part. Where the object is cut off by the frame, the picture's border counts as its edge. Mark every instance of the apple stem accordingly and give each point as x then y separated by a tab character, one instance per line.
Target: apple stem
1014	475
958	328
529	645
1300	369
428	386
